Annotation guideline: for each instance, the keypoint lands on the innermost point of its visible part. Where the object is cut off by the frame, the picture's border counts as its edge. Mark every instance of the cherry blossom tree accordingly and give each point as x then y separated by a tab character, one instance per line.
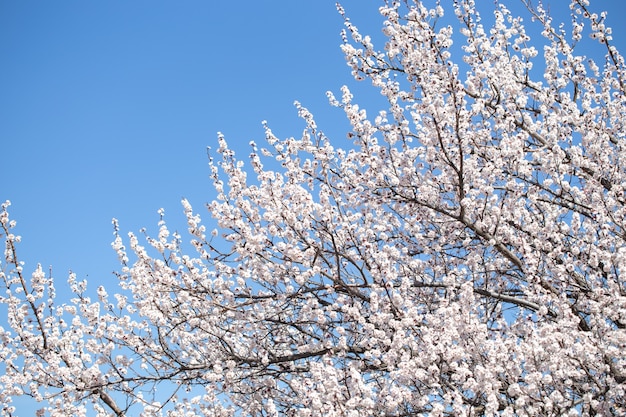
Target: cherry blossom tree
460	254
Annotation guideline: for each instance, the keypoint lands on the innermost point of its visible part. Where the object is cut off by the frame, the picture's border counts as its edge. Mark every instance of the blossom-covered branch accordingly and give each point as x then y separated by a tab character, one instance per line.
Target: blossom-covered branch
460	254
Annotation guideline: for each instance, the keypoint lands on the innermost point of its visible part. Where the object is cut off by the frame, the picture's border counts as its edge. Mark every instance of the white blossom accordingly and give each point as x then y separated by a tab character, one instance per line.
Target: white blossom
460	254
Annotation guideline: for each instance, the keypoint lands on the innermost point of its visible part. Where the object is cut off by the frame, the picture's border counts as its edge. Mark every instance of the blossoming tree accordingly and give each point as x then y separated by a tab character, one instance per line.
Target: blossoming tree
463	253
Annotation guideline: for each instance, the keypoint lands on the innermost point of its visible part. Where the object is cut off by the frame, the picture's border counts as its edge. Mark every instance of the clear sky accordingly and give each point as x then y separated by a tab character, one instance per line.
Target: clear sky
107	107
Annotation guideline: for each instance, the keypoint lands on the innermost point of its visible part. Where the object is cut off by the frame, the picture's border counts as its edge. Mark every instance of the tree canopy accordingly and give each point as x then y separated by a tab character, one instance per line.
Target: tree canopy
460	253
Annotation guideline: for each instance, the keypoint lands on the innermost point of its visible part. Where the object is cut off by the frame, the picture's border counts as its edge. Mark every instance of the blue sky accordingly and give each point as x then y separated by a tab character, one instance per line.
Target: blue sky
106	108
